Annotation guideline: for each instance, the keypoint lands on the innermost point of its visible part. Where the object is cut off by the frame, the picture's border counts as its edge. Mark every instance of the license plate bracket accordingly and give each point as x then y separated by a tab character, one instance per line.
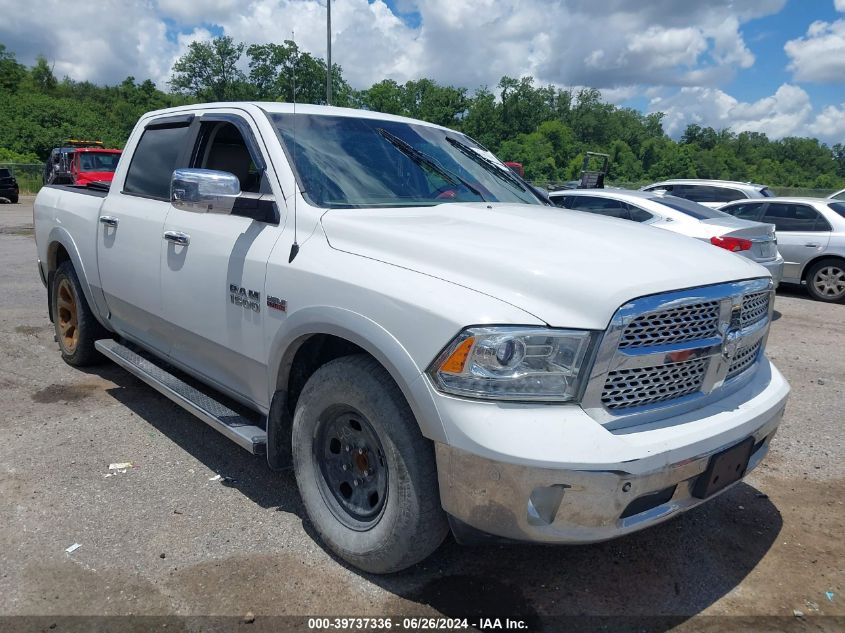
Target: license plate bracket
725	468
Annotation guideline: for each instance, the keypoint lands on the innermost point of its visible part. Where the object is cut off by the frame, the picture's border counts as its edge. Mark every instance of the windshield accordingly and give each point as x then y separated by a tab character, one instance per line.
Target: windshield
97	161
690	208
350	162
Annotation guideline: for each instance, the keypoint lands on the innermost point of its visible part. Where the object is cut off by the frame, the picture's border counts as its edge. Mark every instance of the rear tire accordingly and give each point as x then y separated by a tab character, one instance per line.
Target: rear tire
76	326
366	474
826	280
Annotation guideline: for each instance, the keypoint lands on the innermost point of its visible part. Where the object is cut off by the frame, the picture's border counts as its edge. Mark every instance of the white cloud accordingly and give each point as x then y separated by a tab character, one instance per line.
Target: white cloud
788	112
839	5
820	54
830	124
601	43
674	52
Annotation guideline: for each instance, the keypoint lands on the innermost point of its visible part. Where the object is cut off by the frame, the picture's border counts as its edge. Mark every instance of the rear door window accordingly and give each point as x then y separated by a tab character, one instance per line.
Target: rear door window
639	215
601	206
744	210
707	193
154	160
562	201
795	217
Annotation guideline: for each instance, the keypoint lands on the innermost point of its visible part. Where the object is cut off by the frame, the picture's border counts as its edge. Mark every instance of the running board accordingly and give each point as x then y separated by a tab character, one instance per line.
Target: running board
217	415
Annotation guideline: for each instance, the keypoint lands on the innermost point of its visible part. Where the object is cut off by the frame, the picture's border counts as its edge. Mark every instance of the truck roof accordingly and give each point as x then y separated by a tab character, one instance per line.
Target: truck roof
273	107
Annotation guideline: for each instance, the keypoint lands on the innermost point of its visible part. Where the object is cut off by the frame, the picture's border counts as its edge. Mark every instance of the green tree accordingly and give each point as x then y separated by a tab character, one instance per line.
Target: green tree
209	71
11	72
273	68
42	76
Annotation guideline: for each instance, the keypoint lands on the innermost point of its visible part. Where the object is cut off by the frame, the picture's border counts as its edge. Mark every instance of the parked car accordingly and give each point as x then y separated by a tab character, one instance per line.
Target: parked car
9	188
402	321
711	193
753	240
811	238
839	195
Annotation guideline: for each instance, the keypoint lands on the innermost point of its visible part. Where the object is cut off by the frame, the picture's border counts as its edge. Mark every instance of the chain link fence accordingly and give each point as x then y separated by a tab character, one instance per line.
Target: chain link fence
29	175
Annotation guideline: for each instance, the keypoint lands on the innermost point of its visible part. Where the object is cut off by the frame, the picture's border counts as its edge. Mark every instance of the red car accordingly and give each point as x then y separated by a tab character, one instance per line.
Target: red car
93	164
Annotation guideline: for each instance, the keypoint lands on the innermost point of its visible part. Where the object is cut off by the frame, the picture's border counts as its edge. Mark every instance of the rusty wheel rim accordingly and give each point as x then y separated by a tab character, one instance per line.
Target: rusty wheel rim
67	317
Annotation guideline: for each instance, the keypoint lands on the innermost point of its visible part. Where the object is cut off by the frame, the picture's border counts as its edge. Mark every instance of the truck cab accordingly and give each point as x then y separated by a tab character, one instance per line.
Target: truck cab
88	165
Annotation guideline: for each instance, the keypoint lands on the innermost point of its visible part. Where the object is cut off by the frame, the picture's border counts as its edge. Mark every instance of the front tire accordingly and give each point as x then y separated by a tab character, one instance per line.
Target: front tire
826	280
76	326
366	474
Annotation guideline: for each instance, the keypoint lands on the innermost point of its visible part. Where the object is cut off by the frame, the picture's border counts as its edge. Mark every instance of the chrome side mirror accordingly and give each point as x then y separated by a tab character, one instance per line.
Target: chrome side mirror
204	190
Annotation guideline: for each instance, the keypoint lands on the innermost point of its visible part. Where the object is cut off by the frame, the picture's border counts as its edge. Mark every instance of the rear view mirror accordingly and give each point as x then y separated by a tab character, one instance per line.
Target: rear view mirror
204	190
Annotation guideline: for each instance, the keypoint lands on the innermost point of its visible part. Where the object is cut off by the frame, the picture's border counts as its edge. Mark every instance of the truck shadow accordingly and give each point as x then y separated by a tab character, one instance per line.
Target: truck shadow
239	469
648	581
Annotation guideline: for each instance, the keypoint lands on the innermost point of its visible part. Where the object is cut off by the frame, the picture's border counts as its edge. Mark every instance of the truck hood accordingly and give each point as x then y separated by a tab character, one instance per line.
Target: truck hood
569	269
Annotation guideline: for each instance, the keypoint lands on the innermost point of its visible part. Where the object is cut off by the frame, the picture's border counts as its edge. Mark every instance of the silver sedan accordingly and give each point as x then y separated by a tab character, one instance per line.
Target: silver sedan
811	238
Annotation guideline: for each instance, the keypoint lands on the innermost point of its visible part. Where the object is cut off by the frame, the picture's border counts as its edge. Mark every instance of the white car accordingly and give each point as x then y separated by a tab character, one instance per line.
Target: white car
406	324
839	195
755	240
710	193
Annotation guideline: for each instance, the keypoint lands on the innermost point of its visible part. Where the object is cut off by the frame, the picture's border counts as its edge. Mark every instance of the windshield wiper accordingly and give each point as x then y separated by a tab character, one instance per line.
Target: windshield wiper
503	173
424	160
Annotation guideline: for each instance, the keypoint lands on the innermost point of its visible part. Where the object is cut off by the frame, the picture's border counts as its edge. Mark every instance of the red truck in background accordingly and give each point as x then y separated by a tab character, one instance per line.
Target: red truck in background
81	163
93	164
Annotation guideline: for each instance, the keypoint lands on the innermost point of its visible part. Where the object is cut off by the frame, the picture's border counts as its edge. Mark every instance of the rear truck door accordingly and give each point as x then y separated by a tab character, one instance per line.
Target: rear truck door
802	234
213	266
130	226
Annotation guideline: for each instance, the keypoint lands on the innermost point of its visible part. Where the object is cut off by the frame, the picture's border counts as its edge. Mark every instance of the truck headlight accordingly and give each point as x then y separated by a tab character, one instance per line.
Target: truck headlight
513	363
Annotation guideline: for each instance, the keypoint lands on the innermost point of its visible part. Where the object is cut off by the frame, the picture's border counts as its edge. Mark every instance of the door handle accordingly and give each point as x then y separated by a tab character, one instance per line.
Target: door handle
177	237
108	220
812	245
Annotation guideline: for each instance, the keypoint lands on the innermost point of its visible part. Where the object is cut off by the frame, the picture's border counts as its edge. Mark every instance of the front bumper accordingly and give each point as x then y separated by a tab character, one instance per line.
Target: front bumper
577	504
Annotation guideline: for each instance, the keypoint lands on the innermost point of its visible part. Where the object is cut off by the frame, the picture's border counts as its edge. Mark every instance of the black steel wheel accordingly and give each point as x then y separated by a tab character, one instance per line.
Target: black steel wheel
353	469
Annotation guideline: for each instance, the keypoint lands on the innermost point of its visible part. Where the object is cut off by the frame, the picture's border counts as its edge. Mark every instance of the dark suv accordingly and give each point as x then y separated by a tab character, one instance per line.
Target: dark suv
8	185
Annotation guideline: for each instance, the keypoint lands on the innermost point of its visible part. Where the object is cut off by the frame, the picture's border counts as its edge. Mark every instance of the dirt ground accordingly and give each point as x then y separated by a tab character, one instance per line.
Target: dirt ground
165	539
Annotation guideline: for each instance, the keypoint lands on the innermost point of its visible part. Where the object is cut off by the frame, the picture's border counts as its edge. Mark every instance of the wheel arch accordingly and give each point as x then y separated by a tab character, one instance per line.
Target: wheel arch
815	260
310	329
61	248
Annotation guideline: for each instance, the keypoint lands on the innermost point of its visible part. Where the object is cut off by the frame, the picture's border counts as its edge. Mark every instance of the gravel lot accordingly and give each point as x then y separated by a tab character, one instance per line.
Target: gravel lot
163	538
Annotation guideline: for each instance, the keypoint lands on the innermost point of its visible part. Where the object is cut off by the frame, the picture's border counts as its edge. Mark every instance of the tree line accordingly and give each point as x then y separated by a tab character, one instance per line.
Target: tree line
545	128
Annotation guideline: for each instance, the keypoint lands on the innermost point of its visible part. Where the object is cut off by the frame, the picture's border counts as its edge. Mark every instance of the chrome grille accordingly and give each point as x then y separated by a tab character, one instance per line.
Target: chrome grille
755	307
685	323
744	358
666	352
626	388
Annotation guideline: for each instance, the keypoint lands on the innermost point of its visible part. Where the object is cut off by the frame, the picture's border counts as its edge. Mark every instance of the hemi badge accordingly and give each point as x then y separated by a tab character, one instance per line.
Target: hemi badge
277	304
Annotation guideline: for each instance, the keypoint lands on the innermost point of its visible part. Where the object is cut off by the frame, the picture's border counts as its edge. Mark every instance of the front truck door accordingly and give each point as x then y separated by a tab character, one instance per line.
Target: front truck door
129	229
213	276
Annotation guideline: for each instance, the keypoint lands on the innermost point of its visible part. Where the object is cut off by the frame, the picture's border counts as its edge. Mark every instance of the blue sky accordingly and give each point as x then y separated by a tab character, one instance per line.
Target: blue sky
773	66
766	37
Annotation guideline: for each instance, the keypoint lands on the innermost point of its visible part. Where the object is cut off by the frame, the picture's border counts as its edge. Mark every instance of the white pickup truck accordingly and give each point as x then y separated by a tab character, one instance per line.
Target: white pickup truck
380	304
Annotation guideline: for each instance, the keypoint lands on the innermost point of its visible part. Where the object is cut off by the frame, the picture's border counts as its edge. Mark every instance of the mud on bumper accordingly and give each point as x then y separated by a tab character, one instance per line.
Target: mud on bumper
525	503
